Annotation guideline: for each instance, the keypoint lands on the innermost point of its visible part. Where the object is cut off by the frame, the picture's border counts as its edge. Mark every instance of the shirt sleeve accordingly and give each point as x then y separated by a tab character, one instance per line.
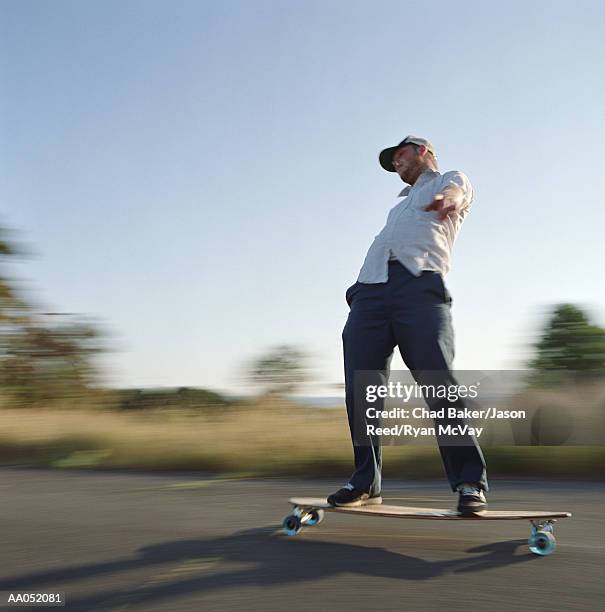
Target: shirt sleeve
456	186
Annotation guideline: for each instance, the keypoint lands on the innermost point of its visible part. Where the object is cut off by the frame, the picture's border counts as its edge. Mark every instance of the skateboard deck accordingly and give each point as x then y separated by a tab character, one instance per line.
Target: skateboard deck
310	511
426	513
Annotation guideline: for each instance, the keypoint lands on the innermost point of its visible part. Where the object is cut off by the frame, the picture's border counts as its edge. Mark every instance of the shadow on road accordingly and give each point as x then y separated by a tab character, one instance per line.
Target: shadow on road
272	559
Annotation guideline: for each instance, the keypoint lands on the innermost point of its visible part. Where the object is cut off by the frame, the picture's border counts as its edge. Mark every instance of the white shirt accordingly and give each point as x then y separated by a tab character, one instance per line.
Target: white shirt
415	237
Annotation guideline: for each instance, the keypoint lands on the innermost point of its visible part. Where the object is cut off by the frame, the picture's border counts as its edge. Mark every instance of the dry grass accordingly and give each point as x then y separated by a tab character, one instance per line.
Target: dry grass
277	439
239	439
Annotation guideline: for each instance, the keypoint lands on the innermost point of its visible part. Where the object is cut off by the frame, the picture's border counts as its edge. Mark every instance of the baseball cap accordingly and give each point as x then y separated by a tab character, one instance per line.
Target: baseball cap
386	155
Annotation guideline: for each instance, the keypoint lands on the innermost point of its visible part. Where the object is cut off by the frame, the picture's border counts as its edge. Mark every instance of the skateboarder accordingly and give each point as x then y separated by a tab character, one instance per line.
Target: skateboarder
400	299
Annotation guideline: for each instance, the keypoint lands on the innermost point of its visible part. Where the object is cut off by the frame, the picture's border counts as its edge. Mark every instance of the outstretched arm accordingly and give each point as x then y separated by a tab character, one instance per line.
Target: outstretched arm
456	195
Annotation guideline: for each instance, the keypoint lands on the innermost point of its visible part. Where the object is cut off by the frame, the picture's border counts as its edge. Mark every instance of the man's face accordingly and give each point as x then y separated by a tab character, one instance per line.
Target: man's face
406	162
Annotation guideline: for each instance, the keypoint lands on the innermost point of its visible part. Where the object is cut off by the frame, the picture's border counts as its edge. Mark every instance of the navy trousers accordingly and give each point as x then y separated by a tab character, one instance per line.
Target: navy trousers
412	313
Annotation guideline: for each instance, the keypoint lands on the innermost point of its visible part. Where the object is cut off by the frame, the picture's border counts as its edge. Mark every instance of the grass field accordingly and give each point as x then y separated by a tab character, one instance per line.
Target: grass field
251	440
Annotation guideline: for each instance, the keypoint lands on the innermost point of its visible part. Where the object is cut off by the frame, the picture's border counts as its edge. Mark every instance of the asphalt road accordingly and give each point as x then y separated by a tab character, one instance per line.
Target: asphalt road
131	541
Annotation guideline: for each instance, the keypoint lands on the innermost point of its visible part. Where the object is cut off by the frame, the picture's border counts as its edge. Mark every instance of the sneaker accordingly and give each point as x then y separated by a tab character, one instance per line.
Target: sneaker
471	500
349	497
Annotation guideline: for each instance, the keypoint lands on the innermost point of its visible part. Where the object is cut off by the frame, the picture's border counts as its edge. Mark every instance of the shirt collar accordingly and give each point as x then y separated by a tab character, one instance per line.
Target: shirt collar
427	175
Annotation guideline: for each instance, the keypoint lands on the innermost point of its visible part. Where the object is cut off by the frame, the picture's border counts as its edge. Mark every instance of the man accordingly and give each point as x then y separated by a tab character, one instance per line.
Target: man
400	299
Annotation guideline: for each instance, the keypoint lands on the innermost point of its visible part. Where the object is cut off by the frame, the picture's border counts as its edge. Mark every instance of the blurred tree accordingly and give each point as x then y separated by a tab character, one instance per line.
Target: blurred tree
12	309
570	343
40	361
280	371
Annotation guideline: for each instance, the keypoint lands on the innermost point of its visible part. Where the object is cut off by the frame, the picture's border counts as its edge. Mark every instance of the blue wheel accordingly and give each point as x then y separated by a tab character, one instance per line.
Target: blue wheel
542	543
317	516
292	525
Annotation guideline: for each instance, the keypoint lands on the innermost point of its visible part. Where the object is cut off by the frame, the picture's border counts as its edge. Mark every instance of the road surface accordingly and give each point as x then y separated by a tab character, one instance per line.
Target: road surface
149	542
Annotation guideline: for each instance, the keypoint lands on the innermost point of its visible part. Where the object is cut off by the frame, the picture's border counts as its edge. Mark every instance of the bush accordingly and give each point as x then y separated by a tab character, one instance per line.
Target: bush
184	398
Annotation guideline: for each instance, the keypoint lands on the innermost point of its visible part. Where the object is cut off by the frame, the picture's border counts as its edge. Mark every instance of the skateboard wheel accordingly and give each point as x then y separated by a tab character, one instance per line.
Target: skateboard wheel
316	516
542	543
292	525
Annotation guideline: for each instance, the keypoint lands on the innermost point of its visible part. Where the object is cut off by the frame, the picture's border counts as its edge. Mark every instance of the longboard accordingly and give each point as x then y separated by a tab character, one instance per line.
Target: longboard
310	511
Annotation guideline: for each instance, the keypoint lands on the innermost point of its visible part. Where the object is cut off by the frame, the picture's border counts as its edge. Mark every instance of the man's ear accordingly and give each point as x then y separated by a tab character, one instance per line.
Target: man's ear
422	150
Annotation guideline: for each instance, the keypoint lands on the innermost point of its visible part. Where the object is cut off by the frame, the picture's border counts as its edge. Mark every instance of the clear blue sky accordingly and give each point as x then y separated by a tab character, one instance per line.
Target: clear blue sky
202	177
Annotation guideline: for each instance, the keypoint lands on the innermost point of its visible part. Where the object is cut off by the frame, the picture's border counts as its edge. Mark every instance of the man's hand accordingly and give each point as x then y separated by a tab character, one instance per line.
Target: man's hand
444	206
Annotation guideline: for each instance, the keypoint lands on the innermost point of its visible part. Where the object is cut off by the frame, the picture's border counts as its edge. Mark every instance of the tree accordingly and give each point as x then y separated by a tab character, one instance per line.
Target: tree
41	360
570	344
13	311
280	371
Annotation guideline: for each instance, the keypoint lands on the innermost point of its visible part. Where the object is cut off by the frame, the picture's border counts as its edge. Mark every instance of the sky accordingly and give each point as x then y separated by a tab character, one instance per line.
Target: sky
201	178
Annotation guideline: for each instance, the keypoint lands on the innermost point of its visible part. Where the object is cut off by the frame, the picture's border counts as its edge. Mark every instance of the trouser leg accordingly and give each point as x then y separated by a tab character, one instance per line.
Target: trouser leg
423	329
368	344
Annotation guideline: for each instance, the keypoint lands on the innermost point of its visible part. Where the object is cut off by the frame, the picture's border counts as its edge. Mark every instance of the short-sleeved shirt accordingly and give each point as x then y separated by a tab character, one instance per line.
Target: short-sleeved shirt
414	237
